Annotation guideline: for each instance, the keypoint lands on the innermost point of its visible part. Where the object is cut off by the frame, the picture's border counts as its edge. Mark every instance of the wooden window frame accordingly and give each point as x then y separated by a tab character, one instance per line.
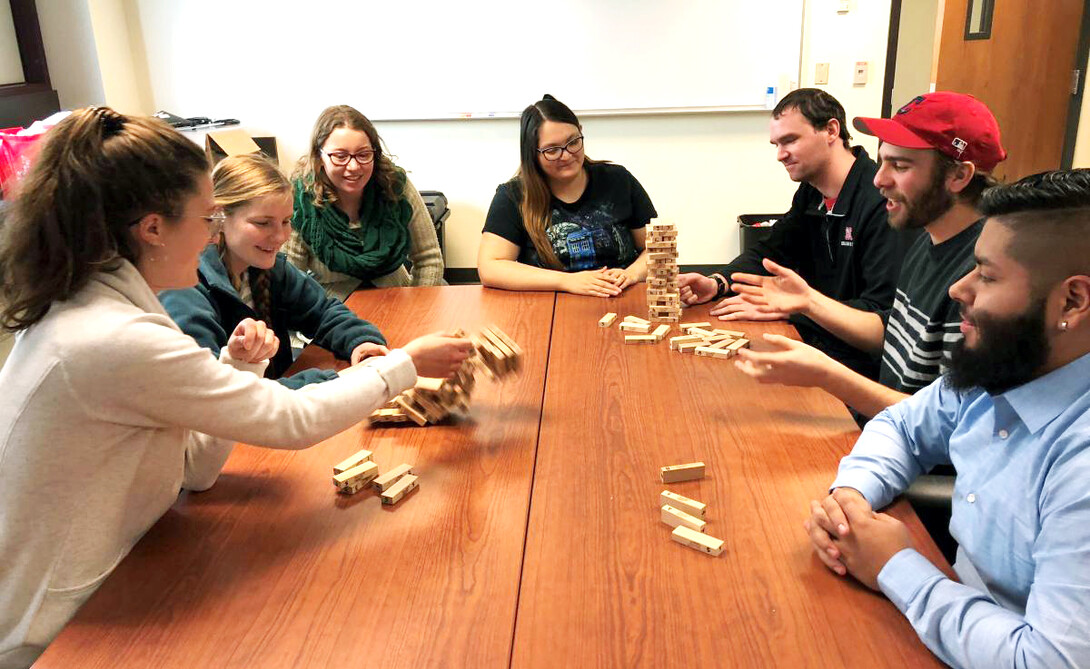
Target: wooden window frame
28	35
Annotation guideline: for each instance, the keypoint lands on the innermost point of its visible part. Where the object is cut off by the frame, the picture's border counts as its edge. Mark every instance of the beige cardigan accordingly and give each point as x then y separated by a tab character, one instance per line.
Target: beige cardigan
101	418
427	259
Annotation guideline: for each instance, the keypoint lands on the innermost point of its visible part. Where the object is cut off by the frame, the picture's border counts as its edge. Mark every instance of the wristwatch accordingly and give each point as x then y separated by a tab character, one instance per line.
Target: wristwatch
720	286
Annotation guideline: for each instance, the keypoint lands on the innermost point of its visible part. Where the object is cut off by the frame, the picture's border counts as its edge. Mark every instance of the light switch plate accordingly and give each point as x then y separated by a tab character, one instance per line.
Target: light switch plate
860	78
821	74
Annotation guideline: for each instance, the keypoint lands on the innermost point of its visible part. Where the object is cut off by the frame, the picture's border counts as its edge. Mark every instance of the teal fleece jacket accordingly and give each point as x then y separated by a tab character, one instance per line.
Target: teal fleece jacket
210	311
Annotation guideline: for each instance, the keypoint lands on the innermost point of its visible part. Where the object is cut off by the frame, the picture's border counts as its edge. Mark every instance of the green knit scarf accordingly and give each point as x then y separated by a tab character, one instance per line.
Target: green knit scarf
379	246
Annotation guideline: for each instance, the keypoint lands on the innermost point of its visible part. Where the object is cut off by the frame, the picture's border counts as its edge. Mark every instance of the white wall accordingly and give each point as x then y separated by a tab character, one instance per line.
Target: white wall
11	65
119	46
70	52
701	171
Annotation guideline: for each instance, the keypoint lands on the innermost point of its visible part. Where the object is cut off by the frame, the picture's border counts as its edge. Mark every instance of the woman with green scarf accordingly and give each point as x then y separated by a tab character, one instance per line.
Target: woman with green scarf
359	222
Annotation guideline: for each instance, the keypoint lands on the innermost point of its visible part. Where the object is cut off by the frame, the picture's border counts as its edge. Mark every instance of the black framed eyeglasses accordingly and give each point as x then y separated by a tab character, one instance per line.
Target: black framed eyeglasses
341	158
574	146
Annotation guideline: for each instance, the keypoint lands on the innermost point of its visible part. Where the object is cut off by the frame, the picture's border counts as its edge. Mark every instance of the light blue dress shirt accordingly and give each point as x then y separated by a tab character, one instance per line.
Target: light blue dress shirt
1021	516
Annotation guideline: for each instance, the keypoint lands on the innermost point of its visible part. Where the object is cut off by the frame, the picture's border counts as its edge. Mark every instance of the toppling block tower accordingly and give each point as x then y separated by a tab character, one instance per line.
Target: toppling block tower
432	400
663	295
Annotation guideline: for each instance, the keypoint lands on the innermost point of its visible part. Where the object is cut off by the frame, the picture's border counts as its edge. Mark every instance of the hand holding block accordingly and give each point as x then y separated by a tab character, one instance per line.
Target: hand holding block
695	540
674	517
404	486
689	506
686	472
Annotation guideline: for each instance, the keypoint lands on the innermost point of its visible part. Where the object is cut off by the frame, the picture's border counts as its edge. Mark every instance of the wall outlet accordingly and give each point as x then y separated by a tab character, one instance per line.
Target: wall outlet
843	6
860	76
821	74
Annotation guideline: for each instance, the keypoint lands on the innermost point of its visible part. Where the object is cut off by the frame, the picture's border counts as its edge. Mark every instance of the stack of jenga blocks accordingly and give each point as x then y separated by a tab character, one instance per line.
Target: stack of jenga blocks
701	339
432	400
663	295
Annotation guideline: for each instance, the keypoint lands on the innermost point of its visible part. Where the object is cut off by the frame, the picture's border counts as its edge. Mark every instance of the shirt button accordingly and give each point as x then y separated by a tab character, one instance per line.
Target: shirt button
1003	434
971	498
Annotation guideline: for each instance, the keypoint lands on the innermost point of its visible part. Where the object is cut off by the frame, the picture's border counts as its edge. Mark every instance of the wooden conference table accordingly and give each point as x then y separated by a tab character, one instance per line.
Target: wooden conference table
534	538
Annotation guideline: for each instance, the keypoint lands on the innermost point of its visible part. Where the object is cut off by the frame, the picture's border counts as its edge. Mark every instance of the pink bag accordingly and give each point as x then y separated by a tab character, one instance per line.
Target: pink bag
18	147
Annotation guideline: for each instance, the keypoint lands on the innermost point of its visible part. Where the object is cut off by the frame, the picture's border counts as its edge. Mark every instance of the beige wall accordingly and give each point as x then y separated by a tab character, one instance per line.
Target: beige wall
70	52
915	50
701	170
1082	140
11	65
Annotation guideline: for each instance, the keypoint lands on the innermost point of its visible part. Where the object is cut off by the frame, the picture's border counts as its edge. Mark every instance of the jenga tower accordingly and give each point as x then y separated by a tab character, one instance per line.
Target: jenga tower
663	298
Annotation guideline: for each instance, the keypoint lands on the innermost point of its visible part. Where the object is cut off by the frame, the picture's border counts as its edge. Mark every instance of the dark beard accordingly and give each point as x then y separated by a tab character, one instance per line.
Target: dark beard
932	203
1010	353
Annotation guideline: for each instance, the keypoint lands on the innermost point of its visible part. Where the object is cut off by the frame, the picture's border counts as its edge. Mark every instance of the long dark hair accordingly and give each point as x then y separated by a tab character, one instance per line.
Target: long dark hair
97	173
534	202
311	171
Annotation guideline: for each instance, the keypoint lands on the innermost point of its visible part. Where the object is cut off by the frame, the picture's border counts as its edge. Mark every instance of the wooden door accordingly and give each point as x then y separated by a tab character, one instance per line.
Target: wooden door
1023	72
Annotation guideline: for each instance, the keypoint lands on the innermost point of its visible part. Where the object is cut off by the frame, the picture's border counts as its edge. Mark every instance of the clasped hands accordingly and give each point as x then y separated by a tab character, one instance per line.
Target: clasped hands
604	282
850	538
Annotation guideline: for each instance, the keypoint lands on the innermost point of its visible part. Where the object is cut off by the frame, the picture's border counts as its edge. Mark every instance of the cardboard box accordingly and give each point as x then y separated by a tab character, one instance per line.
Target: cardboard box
219	144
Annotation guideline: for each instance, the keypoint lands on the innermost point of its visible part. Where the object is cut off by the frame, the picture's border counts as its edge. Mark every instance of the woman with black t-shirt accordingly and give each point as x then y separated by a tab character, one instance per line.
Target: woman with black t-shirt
564	222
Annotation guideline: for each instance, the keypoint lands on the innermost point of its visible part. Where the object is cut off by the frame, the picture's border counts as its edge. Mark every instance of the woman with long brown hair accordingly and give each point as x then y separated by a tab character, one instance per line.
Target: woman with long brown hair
108	409
564	222
245	276
359	221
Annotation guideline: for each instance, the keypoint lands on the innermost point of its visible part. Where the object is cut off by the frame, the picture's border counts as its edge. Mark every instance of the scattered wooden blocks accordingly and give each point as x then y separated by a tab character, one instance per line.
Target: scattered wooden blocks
695	540
684	339
674	517
353	480
607	320
391	477
689	506
637	319
685	327
641	339
355	459
660	332
397	491
686	472
730	333
738	344
432	400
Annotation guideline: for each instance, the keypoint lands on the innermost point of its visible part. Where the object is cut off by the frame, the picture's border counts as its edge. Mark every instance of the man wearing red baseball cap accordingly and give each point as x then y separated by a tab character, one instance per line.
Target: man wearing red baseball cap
936	153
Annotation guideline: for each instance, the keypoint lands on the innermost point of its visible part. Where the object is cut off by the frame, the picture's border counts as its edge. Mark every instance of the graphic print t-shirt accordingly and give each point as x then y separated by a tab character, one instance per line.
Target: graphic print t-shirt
590	233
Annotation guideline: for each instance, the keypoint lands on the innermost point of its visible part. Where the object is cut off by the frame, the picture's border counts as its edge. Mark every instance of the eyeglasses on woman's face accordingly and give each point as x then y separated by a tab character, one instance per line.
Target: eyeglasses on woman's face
574	146
341	158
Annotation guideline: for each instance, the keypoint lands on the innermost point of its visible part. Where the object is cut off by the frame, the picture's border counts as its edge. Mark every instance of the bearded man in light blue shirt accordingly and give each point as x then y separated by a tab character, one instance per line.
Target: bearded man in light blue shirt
1012	417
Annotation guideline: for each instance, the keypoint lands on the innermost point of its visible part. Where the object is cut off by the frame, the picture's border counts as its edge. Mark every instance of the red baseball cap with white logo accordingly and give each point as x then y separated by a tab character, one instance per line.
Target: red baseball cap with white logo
955	124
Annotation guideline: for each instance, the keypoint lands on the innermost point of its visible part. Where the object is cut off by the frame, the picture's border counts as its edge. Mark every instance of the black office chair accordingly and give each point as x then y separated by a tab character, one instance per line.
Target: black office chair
931	496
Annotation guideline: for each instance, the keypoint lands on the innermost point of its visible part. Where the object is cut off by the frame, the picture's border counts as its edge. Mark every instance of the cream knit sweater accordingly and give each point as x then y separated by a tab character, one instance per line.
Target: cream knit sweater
105	410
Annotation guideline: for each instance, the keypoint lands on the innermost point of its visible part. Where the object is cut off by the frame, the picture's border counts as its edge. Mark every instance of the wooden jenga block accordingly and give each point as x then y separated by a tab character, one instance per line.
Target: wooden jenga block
510	359
390	415
738	344
356	458
397	491
710	352
356	477
721	343
630	326
660	332
636	319
689	347
687	472
433	409
684	339
411	411
730	333
510	343
689	506
685	327
697	540
389	478
674	517
427	383
607	320
706	334
641	339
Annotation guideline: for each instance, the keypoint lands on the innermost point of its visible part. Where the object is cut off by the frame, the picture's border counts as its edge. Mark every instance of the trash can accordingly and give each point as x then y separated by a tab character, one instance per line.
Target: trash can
752	228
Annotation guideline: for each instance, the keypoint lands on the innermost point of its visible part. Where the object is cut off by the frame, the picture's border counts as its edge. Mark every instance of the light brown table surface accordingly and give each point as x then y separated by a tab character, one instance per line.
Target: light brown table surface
271	568
603	584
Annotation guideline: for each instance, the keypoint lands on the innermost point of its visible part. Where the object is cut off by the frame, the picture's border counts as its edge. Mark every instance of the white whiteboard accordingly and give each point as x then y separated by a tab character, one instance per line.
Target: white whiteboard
434	59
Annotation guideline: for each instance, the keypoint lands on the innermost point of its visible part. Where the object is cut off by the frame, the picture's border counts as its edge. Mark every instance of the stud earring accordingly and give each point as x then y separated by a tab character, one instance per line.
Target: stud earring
1063	326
